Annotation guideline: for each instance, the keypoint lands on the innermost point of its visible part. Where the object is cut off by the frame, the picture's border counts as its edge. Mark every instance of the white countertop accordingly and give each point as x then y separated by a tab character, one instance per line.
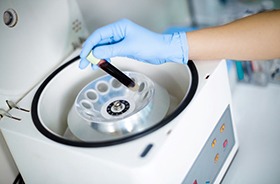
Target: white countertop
257	116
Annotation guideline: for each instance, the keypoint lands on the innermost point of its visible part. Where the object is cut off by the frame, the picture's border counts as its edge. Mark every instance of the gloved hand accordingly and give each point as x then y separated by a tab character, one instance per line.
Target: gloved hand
127	39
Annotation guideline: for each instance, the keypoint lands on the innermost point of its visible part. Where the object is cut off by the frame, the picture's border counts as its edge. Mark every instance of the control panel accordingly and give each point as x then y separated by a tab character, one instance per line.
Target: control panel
214	153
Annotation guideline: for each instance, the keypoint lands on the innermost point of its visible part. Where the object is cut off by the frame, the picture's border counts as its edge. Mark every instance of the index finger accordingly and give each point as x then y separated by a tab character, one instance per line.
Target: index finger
104	35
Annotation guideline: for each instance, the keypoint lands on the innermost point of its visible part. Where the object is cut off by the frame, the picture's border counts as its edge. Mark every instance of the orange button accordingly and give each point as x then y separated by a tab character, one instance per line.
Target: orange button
214	143
216	158
222	129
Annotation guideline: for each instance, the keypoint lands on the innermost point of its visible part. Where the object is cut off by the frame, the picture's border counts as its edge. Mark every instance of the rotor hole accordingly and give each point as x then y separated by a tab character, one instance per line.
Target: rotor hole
86	105
141	87
115	83
91	95
102	87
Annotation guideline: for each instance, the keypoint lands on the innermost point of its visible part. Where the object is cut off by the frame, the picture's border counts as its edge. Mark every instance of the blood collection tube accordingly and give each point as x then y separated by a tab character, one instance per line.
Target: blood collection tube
113	71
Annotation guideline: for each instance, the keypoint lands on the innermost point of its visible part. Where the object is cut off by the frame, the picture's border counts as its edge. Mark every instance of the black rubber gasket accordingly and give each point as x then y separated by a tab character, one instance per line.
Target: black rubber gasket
56	138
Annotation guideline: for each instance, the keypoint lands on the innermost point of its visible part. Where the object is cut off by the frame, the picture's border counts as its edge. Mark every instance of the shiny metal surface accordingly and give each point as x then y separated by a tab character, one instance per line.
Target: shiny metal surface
107	110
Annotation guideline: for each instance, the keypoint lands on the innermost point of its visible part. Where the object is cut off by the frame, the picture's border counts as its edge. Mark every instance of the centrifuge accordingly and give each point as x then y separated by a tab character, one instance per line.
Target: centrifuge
66	125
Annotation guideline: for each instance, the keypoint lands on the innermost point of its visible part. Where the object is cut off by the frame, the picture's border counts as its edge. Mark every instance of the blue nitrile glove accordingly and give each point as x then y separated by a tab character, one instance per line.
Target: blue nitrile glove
127	39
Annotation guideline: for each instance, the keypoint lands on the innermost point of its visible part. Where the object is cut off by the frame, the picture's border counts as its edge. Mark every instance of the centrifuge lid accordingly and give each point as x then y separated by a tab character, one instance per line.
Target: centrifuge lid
35	45
46	130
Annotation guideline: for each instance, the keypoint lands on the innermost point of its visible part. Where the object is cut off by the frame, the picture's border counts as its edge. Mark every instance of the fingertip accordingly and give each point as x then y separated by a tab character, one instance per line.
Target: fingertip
82	54
85	51
83	64
94	67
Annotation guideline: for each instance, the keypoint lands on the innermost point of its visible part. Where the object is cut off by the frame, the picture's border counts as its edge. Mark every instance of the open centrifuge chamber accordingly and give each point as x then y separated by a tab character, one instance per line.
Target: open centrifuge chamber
85	127
94	109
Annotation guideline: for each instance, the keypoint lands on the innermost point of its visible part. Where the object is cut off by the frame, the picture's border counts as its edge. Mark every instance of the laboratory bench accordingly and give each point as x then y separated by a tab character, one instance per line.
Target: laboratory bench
256	111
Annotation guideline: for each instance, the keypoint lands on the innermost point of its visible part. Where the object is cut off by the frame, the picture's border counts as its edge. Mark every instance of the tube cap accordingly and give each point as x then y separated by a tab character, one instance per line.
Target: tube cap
92	59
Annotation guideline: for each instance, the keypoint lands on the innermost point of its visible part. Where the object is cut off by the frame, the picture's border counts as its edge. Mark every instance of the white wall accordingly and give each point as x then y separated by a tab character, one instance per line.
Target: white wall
156	15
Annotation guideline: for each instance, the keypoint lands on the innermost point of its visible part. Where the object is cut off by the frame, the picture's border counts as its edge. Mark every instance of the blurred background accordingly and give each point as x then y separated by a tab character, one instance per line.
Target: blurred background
159	15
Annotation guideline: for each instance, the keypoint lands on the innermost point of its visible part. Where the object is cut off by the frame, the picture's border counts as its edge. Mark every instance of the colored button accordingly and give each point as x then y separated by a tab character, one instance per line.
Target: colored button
225	143
214	143
195	182
222	129
216	158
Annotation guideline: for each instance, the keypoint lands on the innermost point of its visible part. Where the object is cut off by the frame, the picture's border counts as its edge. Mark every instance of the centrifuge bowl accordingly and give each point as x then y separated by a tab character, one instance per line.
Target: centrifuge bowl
174	87
107	110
